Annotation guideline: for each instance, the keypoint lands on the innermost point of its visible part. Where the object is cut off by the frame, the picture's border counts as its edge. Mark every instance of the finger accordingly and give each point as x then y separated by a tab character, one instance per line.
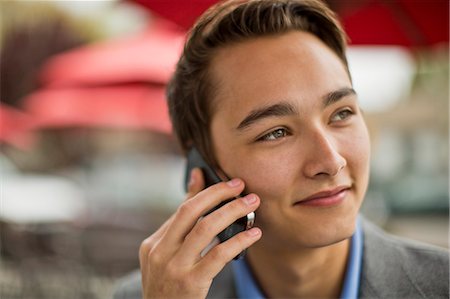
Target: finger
214	261
196	183
191	210
211	225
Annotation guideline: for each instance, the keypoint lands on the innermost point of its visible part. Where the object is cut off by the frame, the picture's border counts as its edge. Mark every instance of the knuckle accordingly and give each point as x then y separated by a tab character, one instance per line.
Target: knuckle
239	205
150	249
242	241
187	208
231	210
155	256
219	253
146	246
203	227
220	187
221	215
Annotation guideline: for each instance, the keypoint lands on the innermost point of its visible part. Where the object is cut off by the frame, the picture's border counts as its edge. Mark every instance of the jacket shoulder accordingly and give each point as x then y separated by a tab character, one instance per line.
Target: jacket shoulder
399	268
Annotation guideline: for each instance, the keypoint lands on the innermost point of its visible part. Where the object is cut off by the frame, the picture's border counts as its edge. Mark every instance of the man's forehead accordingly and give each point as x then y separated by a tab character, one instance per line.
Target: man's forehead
266	58
263	71
263	48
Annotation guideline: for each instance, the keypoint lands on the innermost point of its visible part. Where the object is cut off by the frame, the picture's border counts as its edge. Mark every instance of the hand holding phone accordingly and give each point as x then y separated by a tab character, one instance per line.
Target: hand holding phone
194	159
171	260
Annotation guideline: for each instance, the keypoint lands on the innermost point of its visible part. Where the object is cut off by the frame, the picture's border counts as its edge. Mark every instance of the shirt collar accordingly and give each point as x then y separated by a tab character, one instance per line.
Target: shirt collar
246	286
350	287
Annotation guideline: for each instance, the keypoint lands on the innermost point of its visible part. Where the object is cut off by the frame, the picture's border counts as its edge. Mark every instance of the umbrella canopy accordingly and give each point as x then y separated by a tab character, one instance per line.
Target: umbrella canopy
147	57
375	22
117	83
133	106
401	22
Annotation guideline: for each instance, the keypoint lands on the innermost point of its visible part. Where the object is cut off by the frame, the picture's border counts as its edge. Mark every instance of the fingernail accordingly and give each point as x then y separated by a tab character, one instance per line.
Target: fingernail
253	232
249	199
234	182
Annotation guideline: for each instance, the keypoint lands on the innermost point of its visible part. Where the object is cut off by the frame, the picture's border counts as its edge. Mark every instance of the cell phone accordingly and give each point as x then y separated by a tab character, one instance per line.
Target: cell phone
195	159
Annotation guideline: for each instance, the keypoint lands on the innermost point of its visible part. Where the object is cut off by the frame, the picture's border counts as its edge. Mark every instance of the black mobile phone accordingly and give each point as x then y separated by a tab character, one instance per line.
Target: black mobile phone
194	159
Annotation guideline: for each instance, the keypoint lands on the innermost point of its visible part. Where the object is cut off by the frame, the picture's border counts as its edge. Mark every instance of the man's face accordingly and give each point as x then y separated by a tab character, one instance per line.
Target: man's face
286	120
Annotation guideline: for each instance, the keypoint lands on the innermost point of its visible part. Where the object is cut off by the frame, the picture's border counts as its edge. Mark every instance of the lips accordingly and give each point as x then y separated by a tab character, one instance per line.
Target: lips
326	197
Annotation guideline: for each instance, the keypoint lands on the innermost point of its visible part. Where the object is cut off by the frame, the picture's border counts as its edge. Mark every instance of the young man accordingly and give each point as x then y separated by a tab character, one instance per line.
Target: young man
263	91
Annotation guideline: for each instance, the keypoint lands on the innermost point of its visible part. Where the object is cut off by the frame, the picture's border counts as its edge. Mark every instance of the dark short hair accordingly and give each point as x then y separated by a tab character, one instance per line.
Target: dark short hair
191	92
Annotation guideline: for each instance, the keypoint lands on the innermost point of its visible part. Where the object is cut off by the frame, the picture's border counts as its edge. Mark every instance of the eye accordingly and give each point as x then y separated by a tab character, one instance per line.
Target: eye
274	135
342	115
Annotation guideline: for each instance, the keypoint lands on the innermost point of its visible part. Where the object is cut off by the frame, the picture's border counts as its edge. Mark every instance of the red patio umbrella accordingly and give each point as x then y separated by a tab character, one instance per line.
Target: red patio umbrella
116	83
134	106
408	23
147	57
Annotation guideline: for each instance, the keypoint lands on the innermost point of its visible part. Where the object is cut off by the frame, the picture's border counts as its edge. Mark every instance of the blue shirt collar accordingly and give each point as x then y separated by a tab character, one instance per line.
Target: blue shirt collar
246	286
350	287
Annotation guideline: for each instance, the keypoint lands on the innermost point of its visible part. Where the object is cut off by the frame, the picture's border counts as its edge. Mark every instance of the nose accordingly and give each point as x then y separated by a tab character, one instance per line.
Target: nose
322	157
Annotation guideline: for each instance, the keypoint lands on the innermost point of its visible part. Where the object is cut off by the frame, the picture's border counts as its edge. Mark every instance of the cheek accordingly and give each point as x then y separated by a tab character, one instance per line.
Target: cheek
358	156
265	176
271	180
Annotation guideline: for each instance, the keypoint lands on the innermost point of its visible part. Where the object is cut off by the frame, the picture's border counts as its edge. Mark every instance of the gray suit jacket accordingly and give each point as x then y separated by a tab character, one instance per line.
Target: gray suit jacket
391	268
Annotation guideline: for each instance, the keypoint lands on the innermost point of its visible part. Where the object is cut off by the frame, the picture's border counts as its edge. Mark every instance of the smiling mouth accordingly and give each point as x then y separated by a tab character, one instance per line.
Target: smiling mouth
325	198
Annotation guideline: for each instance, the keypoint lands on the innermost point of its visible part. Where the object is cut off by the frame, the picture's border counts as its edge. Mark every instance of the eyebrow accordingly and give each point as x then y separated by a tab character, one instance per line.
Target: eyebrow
335	96
280	109
286	109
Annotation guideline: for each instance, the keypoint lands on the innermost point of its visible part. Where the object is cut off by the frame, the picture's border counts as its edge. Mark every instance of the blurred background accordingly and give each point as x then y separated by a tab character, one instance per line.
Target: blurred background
89	167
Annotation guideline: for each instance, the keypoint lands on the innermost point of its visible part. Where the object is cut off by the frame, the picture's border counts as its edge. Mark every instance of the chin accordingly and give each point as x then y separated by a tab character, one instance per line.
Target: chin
308	237
330	234
327	240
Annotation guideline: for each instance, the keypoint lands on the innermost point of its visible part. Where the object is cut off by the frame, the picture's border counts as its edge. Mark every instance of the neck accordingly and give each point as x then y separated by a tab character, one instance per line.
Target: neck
305	273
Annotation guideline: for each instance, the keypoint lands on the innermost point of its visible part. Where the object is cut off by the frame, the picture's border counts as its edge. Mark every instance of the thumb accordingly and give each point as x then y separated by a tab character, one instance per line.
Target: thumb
196	182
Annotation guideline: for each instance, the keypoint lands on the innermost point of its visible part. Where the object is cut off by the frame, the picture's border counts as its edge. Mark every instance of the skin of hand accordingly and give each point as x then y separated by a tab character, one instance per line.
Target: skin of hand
170	259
